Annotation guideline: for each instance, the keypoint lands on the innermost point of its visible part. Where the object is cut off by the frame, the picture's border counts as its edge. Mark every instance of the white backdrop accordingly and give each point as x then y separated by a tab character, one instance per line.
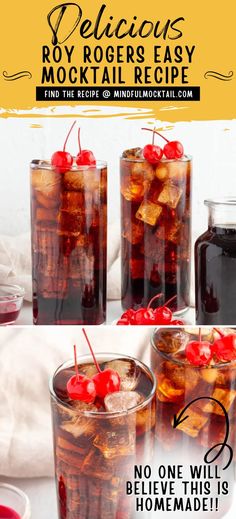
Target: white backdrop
211	143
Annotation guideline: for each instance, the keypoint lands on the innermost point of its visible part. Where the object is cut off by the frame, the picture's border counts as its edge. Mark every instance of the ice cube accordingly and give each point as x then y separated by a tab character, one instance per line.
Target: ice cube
116	442
171	340
142	170
63	443
86	179
161	171
133	153
121	401
225	396
51	264
46	182
209	374
88	369
185	377
44	240
46	201
128	371
193	424
136	180
170	195
71	223
225	376
133	190
72	201
166	391
136	268
133	231
169	232
46	215
79	426
97	466
178	170
149	212
69	458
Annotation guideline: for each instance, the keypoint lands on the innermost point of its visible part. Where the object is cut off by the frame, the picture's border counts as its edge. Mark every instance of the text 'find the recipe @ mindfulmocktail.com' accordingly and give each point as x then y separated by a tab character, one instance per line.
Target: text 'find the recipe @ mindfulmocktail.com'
118	94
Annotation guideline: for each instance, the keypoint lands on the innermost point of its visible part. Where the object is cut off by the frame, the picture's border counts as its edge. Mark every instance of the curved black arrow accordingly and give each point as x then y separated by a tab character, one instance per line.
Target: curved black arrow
177	420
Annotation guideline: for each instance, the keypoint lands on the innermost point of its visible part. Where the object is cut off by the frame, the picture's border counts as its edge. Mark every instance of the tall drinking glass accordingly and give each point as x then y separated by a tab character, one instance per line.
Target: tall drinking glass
97	448
69	243
155	224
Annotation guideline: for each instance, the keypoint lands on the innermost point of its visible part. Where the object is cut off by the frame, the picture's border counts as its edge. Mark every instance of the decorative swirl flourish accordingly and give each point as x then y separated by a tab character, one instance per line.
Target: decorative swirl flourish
18	75
217	75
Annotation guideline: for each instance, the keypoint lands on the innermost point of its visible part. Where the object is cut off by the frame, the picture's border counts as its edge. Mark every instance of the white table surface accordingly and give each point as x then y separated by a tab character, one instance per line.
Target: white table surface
114	311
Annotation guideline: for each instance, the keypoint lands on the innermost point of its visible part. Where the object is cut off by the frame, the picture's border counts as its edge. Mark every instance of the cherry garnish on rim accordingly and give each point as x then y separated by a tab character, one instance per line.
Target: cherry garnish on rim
151	152
62	160
84	157
172	149
80	387
225	347
107	381
199	353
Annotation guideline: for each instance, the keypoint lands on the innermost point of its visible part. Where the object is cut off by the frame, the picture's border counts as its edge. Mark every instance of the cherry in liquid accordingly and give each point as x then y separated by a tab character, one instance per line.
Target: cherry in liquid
8	513
215	276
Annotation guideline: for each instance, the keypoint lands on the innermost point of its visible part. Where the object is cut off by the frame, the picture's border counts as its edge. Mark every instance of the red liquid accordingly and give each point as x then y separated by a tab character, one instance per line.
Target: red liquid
8	312
8	513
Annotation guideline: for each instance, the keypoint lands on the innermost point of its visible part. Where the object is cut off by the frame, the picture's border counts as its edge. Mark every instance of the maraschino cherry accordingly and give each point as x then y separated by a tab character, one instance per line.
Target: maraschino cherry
199	353
149	316
151	152
107	381
62	160
171	150
225	347
80	387
84	157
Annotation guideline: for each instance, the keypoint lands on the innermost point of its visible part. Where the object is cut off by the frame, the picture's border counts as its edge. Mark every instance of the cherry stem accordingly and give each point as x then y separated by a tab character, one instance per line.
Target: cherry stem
79	140
200	335
170	300
153	299
76	364
219	332
153	136
157	133
91	350
68	135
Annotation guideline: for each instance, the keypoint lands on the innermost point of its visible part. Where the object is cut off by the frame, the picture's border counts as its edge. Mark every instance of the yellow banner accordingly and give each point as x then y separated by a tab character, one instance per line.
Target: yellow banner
175	59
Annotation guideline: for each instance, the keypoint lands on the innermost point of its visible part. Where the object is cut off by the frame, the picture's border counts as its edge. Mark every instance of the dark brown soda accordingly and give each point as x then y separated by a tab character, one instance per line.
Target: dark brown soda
155	227
69	228
215	276
95	454
179	383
